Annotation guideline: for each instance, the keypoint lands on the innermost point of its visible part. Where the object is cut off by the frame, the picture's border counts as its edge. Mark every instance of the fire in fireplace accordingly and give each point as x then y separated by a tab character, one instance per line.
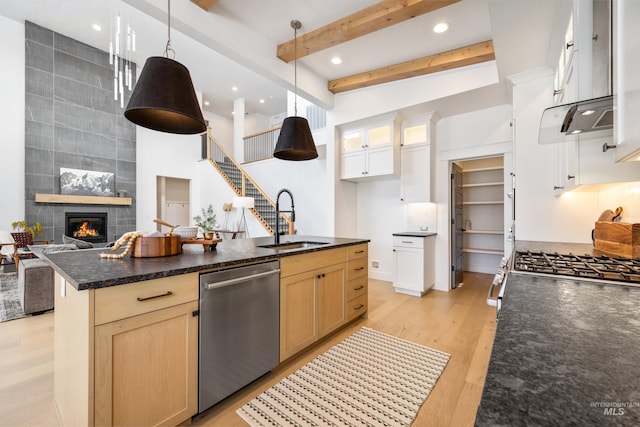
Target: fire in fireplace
87	226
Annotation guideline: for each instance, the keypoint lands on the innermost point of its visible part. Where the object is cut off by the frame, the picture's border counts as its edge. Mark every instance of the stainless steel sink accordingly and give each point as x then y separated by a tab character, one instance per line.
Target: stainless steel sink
293	245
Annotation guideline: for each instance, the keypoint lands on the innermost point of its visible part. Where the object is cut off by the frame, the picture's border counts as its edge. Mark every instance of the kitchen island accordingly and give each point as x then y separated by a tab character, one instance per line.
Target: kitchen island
565	353
126	330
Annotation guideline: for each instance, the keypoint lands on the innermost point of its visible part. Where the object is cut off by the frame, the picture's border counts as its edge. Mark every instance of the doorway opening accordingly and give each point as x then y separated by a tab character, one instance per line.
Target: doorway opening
478	213
173	201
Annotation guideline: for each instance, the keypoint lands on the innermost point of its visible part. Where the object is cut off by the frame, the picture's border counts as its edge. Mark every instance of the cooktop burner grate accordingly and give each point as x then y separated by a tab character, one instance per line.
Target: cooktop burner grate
599	267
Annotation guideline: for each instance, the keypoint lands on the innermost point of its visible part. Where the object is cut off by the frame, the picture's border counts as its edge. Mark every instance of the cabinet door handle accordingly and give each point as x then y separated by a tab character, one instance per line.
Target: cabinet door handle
407	241
166	294
359	252
359	268
358	288
358	307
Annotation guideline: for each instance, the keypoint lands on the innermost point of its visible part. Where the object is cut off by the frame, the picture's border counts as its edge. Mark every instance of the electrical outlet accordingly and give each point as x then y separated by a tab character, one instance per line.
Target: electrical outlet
375	264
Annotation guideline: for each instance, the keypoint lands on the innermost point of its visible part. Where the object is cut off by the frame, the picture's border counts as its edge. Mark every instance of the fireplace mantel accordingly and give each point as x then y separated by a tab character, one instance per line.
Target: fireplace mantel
82	200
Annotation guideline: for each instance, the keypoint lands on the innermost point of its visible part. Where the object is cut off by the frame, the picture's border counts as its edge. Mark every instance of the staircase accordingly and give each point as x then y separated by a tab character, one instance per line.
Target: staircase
264	208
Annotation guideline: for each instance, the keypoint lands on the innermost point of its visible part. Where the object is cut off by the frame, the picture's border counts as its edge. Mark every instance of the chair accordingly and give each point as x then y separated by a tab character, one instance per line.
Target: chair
7	247
22	241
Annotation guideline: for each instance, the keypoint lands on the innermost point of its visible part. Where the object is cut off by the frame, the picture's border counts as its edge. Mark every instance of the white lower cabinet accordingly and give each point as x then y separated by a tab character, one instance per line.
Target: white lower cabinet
414	269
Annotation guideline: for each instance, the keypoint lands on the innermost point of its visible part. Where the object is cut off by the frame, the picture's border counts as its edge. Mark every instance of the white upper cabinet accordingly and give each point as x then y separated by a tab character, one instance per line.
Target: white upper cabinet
416	157
627	79
370	148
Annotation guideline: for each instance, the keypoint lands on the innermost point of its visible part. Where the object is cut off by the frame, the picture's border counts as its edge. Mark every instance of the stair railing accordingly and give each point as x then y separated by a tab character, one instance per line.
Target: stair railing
218	155
259	146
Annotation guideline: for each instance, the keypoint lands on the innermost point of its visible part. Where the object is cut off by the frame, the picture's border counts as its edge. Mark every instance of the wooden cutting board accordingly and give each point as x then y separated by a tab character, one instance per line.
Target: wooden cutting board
617	238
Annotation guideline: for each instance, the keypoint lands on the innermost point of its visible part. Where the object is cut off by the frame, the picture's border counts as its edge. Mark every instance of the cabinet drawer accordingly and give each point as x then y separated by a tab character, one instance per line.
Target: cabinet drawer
295	264
119	302
408	242
357	307
357	268
357	287
358	251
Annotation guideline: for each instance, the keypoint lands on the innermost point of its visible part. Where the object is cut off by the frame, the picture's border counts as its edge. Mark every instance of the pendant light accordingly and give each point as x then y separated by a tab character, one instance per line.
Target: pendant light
295	141
163	98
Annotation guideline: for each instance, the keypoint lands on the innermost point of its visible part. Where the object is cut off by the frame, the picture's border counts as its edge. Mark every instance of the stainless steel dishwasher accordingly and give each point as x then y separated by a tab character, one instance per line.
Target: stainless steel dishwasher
239	329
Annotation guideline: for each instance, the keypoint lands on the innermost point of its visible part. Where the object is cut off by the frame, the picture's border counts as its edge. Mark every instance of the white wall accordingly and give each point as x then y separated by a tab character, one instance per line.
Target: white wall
310	185
539	215
221	129
481	133
163	154
626	195
12	113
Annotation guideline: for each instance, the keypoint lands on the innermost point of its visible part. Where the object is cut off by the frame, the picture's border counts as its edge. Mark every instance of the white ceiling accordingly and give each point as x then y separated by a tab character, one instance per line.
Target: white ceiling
234	43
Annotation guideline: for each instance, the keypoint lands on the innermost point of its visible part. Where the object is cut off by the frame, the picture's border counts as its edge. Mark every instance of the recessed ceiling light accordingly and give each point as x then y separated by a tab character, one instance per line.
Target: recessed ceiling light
587	112
96	27
440	27
234	88
207	103
336	60
262	101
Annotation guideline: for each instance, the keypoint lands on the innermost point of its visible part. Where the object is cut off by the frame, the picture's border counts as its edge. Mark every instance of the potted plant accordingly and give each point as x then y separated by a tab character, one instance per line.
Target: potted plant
206	221
35	229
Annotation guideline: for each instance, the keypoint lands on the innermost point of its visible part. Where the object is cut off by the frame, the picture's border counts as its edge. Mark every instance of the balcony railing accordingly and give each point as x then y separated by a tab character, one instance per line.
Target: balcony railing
259	146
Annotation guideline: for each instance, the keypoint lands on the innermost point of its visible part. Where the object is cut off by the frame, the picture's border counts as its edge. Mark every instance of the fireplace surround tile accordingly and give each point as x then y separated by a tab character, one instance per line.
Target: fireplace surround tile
90	130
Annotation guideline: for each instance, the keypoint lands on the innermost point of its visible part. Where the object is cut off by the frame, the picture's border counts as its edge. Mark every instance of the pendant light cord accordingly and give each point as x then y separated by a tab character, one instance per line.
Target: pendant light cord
295	67
168	48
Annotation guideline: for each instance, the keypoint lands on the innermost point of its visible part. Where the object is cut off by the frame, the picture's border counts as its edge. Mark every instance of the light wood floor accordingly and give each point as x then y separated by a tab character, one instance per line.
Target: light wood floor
457	322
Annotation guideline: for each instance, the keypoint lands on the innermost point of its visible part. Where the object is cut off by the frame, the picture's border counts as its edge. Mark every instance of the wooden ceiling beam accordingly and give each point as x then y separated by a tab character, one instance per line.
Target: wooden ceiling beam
204	4
456	58
373	18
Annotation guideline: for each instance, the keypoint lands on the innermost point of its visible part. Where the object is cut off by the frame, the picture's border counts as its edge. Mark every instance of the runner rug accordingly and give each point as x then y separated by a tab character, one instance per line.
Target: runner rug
369	379
10	307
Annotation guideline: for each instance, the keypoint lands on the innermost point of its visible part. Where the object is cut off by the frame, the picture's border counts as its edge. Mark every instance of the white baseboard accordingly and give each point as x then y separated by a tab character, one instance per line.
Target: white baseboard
380	275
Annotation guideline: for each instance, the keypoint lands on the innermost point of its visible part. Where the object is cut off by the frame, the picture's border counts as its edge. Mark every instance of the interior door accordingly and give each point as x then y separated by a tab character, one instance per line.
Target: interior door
457	260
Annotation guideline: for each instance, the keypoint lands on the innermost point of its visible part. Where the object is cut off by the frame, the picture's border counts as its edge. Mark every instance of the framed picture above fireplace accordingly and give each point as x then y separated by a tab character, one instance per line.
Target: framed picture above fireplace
86	183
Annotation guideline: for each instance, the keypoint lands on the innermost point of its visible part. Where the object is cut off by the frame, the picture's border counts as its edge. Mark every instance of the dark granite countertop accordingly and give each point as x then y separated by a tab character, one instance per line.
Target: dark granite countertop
84	269
565	353
415	233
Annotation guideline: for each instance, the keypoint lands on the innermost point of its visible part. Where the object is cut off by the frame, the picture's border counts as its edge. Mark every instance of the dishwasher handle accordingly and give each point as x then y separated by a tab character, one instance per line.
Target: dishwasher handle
224	283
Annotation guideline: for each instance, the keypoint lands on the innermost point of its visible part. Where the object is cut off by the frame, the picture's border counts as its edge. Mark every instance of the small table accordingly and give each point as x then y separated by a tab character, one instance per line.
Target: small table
207	244
234	234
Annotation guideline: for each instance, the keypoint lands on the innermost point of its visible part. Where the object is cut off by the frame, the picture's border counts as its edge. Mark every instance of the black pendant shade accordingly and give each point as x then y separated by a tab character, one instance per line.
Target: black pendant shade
295	141
164	99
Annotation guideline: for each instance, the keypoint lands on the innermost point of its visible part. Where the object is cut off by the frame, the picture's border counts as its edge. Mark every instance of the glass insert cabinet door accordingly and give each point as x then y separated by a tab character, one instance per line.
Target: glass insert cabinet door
353	140
414	135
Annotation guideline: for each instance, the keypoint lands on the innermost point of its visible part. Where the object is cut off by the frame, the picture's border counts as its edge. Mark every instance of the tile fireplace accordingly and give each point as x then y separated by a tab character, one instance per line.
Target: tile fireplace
87	226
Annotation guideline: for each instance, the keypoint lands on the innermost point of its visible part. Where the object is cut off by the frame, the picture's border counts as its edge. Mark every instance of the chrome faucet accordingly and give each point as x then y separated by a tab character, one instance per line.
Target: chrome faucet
292	211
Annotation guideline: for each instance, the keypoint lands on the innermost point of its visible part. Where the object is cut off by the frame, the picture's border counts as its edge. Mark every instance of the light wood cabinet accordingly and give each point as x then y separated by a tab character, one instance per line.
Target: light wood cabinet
357	281
147	368
316	295
128	354
312	304
370	148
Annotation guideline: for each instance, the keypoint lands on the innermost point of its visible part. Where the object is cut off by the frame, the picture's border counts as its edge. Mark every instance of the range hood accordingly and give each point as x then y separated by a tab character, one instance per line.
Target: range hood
562	123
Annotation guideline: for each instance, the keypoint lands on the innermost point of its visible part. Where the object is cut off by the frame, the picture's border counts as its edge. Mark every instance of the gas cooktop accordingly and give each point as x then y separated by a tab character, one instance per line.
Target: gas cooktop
601	267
